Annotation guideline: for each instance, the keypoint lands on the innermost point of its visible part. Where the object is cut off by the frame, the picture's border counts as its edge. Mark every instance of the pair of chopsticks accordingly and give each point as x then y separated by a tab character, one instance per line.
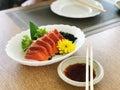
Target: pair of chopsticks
90	5
89	58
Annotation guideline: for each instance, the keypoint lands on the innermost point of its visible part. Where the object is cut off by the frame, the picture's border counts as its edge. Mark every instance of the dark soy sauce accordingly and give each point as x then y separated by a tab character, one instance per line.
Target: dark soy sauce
77	72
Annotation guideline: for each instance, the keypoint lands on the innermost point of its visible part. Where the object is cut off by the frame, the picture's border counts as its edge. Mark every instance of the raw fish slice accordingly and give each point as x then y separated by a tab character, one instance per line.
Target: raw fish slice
37	53
40	49
55	31
51	42
52	36
40	42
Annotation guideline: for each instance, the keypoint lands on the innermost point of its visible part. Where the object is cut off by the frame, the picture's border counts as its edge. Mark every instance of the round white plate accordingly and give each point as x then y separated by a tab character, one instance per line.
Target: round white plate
73	9
14	50
117	4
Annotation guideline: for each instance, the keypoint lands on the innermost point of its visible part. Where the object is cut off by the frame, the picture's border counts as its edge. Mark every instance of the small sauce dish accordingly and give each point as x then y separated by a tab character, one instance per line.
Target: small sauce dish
68	64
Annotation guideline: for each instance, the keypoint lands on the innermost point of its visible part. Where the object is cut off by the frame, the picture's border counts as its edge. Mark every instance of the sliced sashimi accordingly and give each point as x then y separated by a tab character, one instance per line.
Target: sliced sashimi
51	42
44	47
55	31
37	53
40	49
53	37
40	42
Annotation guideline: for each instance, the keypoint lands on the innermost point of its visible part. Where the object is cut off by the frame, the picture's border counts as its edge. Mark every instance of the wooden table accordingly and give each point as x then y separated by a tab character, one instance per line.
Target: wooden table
14	76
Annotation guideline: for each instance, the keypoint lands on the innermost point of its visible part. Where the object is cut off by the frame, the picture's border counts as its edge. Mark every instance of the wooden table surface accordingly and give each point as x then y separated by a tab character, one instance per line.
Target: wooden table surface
14	76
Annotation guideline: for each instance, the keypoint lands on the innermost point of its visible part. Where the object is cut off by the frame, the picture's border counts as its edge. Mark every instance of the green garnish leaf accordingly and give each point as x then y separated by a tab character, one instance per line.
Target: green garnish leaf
40	32
26	42
33	30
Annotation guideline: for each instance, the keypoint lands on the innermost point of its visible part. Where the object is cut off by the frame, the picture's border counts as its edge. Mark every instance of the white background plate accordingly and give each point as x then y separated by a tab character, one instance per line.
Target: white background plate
14	50
73	9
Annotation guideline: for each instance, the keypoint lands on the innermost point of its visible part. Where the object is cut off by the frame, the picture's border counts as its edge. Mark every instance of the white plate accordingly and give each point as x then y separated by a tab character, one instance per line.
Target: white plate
73	9
14	50
117	4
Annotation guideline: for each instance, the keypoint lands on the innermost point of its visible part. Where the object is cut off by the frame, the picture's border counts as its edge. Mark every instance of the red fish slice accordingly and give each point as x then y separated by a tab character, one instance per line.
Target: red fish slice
37	53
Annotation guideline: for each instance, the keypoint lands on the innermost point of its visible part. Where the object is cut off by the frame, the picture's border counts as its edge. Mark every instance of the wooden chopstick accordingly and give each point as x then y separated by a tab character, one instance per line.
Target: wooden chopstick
89	55
90	5
91	69
87	69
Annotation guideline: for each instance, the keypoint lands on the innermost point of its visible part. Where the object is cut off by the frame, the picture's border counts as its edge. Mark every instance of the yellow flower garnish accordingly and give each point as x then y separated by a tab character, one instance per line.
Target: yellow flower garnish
65	46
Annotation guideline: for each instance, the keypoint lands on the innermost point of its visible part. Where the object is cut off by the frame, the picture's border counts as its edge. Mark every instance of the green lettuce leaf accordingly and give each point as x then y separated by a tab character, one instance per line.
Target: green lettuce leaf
26	42
40	32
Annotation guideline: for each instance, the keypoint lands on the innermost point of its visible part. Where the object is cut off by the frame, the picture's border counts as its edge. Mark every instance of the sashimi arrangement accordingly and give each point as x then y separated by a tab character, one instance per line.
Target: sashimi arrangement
43	45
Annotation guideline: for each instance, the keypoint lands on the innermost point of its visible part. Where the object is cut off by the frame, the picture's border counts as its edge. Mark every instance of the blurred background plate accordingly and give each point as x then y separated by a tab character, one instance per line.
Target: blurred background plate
73	9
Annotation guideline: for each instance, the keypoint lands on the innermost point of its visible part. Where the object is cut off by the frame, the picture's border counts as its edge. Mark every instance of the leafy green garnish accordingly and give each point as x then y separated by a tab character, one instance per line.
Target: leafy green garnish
26	42
36	32
33	30
40	32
